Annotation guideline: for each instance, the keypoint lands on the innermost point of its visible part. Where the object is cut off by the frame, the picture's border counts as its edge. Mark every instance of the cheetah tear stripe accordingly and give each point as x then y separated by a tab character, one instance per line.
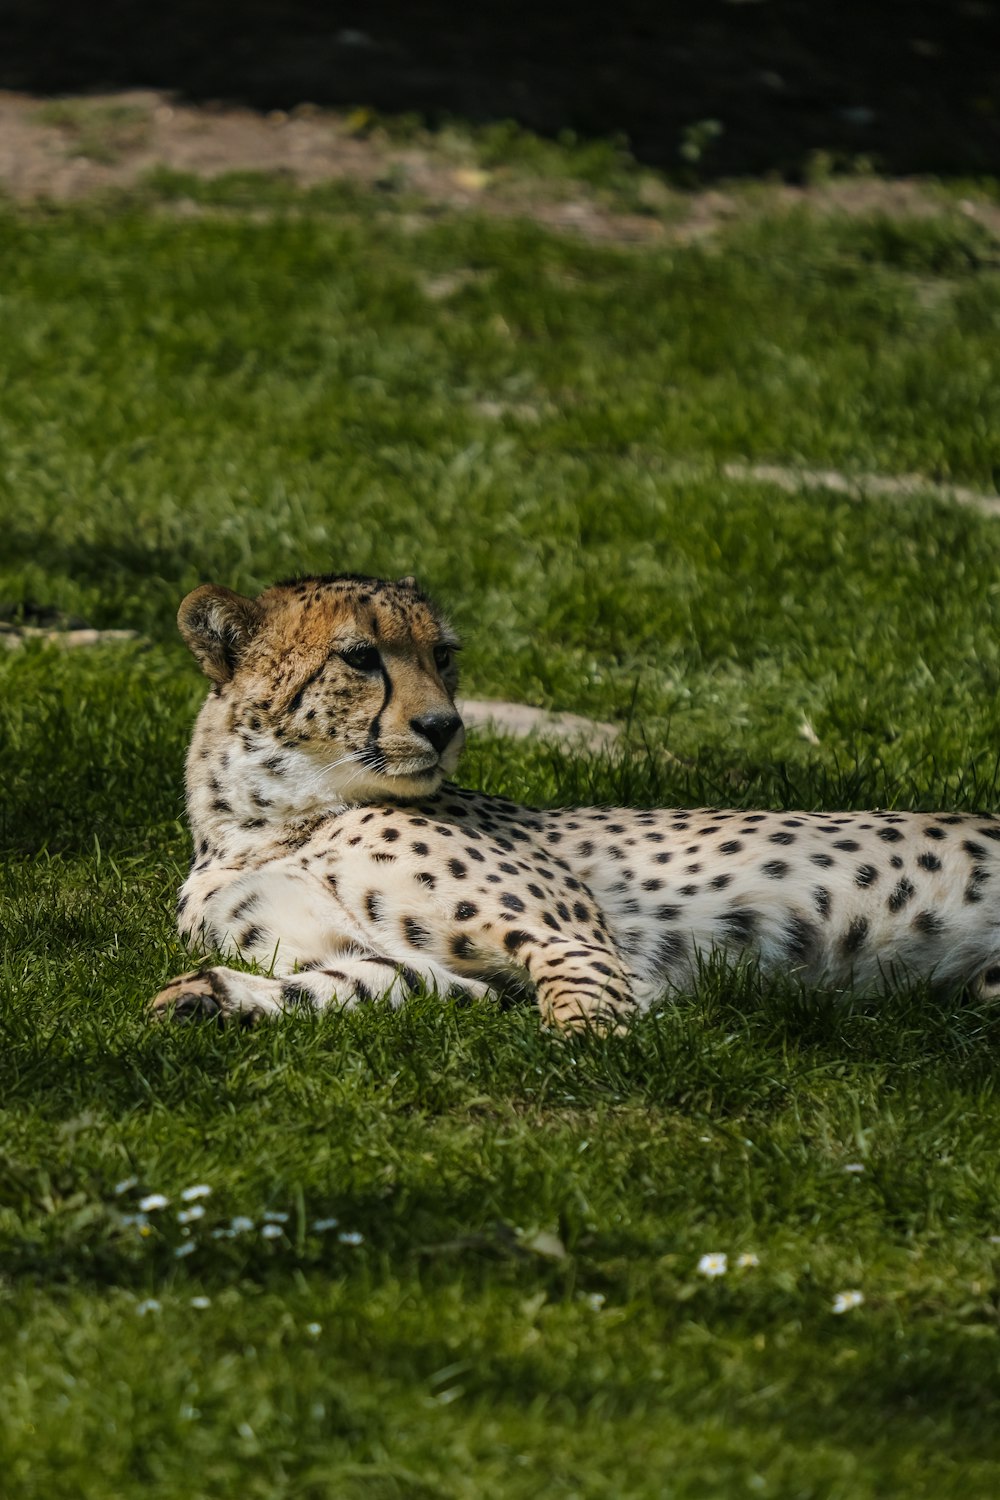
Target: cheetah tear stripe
330	847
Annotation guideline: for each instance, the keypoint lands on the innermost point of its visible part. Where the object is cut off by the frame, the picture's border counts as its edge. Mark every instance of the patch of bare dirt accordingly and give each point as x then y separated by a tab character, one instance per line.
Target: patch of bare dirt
78	148
521	721
12	637
858	485
82	147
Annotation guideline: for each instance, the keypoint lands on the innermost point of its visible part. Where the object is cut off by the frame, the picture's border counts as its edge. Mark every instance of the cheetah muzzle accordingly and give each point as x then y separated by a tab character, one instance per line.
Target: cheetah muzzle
331	849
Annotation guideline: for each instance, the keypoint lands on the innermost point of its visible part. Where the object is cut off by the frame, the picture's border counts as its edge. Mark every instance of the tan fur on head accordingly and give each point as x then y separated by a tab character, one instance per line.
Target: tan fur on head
349	681
218	625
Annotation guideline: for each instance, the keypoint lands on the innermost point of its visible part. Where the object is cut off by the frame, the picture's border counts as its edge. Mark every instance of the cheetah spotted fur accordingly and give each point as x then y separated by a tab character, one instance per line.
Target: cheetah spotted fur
331	849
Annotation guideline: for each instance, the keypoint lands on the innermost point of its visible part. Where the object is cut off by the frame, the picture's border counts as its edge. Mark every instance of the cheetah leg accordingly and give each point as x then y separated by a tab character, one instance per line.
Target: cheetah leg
230	995
579	984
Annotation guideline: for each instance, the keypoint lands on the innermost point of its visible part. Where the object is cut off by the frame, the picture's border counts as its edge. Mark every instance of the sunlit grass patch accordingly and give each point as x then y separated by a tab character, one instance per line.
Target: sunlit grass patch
751	1245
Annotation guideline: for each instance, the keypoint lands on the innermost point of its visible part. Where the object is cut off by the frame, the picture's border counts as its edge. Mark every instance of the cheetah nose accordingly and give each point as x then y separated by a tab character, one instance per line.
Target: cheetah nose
439	729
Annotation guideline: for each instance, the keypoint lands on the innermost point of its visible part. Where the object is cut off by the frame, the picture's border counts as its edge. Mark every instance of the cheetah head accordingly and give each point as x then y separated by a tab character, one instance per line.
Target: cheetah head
346	684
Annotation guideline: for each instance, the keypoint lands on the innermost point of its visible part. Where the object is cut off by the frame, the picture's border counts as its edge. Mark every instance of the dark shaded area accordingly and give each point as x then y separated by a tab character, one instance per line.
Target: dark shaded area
914	86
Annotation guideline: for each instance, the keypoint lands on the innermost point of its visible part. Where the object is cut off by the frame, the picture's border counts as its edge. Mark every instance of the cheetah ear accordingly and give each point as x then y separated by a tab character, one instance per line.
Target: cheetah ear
218	625
409	582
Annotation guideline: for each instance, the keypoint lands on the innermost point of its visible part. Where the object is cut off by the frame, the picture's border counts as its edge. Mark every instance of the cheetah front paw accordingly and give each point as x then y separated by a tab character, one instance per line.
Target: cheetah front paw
189	997
219	994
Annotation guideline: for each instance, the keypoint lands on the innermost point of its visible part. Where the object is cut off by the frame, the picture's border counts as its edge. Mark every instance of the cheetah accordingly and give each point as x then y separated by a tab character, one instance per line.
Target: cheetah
332	850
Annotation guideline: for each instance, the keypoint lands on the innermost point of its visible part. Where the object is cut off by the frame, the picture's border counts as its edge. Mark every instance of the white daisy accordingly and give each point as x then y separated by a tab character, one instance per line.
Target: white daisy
715	1264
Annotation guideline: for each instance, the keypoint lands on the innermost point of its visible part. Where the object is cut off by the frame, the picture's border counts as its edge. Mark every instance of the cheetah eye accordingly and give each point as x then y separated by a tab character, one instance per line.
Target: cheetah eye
443	656
362	658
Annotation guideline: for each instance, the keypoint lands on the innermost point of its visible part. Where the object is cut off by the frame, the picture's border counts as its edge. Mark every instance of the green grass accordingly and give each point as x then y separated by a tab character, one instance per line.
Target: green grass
517	1308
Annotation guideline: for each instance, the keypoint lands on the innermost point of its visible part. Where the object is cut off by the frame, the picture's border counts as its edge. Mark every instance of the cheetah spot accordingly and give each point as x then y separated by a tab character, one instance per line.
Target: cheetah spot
373	906
739	925
294	995
855	936
801	938
670	950
822	900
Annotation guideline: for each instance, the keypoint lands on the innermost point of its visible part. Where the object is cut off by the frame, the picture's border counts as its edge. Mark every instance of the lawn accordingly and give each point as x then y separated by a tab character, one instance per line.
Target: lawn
445	1253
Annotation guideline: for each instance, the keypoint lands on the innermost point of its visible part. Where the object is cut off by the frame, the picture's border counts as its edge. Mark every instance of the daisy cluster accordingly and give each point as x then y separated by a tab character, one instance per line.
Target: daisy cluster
154	1214
716	1263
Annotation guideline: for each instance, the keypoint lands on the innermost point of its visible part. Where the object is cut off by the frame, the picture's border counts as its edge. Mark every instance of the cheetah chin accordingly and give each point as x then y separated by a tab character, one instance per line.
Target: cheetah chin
330	848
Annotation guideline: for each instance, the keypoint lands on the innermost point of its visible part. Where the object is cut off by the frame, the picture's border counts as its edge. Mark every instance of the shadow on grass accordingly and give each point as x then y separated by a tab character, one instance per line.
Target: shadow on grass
739	1048
137	583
